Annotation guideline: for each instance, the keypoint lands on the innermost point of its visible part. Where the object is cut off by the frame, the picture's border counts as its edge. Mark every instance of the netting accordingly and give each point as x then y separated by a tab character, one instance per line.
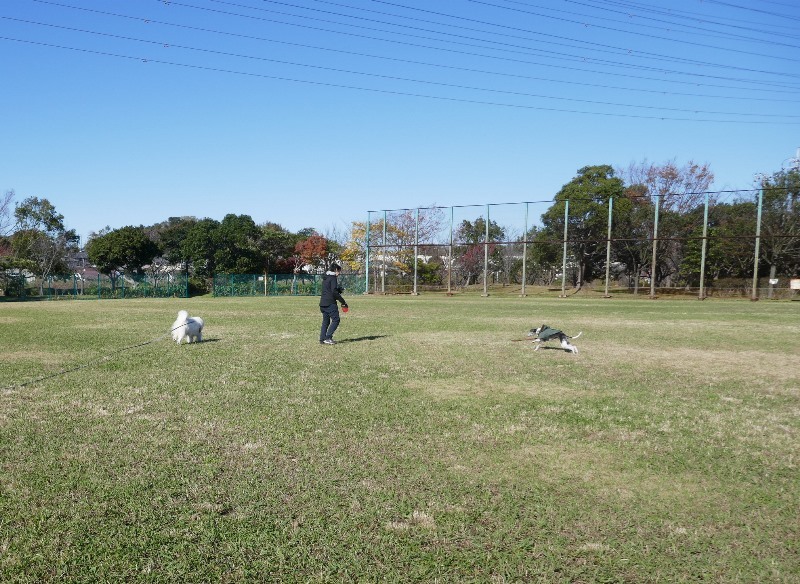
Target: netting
281	284
720	246
76	287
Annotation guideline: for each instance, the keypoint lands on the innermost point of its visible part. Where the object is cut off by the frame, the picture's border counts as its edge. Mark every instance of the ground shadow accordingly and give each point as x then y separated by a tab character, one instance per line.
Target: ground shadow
358	339
546	348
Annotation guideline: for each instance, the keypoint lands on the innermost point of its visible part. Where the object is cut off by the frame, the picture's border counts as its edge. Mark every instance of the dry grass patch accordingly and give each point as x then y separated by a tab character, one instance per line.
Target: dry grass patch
714	364
417	519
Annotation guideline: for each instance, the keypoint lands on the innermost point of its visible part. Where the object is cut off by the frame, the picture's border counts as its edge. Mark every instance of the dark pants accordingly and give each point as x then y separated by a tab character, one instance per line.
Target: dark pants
330	321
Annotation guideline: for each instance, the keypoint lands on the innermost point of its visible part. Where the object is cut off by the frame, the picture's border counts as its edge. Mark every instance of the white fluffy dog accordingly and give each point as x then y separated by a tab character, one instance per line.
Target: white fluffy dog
187	327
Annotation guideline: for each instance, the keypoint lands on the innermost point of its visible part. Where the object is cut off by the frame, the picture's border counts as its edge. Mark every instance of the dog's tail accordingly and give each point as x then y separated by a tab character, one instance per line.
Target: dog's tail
576	336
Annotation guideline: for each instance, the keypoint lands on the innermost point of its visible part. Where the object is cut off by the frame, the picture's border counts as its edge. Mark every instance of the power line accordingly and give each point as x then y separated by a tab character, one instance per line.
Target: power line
526	30
386	91
632	10
406	79
751	9
615	50
718	34
785	88
621	50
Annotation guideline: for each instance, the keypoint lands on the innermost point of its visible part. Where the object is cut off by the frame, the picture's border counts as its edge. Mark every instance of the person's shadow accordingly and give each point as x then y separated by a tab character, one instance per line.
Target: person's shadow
359	339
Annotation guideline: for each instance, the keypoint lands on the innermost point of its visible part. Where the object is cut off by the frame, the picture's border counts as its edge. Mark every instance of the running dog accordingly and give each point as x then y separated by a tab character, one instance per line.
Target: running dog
544	333
187	327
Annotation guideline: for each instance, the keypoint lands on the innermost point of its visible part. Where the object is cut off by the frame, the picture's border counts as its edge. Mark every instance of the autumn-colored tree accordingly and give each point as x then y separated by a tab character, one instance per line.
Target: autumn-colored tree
680	188
469	263
396	254
312	252
6	223
6	220
404	230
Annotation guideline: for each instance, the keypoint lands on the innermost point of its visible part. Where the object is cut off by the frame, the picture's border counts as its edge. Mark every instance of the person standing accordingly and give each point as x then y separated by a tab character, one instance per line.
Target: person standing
331	293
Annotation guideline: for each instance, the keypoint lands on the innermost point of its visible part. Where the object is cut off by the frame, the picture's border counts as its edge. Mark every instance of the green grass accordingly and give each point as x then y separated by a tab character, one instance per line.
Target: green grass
430	444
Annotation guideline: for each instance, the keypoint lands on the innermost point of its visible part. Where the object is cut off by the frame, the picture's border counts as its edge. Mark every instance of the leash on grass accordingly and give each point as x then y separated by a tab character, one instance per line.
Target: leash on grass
100	359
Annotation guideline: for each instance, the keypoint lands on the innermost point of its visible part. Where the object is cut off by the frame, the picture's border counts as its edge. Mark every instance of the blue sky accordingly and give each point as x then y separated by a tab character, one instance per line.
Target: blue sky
308	113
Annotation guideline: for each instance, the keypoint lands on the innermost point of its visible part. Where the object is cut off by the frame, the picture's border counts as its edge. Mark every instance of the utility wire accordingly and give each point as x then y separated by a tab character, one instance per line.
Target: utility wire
691	16
511	48
389	92
615	50
751	9
784	88
456	68
705	31
406	79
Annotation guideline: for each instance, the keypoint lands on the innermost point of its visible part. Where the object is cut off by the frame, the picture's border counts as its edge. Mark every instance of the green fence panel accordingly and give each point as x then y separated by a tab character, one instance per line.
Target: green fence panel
75	287
281	284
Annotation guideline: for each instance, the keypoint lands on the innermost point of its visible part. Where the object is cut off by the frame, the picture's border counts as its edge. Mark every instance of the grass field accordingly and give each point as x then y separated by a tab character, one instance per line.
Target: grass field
430	445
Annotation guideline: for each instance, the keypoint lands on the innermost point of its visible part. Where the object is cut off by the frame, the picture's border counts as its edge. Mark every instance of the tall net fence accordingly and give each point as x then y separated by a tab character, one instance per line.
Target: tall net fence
282	284
76	287
732	243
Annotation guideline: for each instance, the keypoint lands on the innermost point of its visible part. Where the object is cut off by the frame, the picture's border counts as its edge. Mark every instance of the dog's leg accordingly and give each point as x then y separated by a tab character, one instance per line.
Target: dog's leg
567	346
537	343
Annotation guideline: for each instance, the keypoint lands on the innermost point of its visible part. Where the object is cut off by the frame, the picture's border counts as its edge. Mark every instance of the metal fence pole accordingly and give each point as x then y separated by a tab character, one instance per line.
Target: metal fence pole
524	252
758	246
450	257
416	247
608	245
383	256
655	247
486	256
702	294
564	253
366	263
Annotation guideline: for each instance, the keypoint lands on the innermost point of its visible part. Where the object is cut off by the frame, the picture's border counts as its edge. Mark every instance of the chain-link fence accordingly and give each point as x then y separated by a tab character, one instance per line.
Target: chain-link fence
76	287
722	244
282	284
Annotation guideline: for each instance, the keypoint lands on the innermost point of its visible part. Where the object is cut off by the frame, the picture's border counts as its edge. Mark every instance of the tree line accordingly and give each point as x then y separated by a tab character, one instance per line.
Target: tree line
37	241
33	236
662	205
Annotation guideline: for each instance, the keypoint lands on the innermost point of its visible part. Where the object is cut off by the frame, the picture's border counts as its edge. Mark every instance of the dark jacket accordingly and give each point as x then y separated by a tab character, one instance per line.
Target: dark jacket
330	290
548	333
